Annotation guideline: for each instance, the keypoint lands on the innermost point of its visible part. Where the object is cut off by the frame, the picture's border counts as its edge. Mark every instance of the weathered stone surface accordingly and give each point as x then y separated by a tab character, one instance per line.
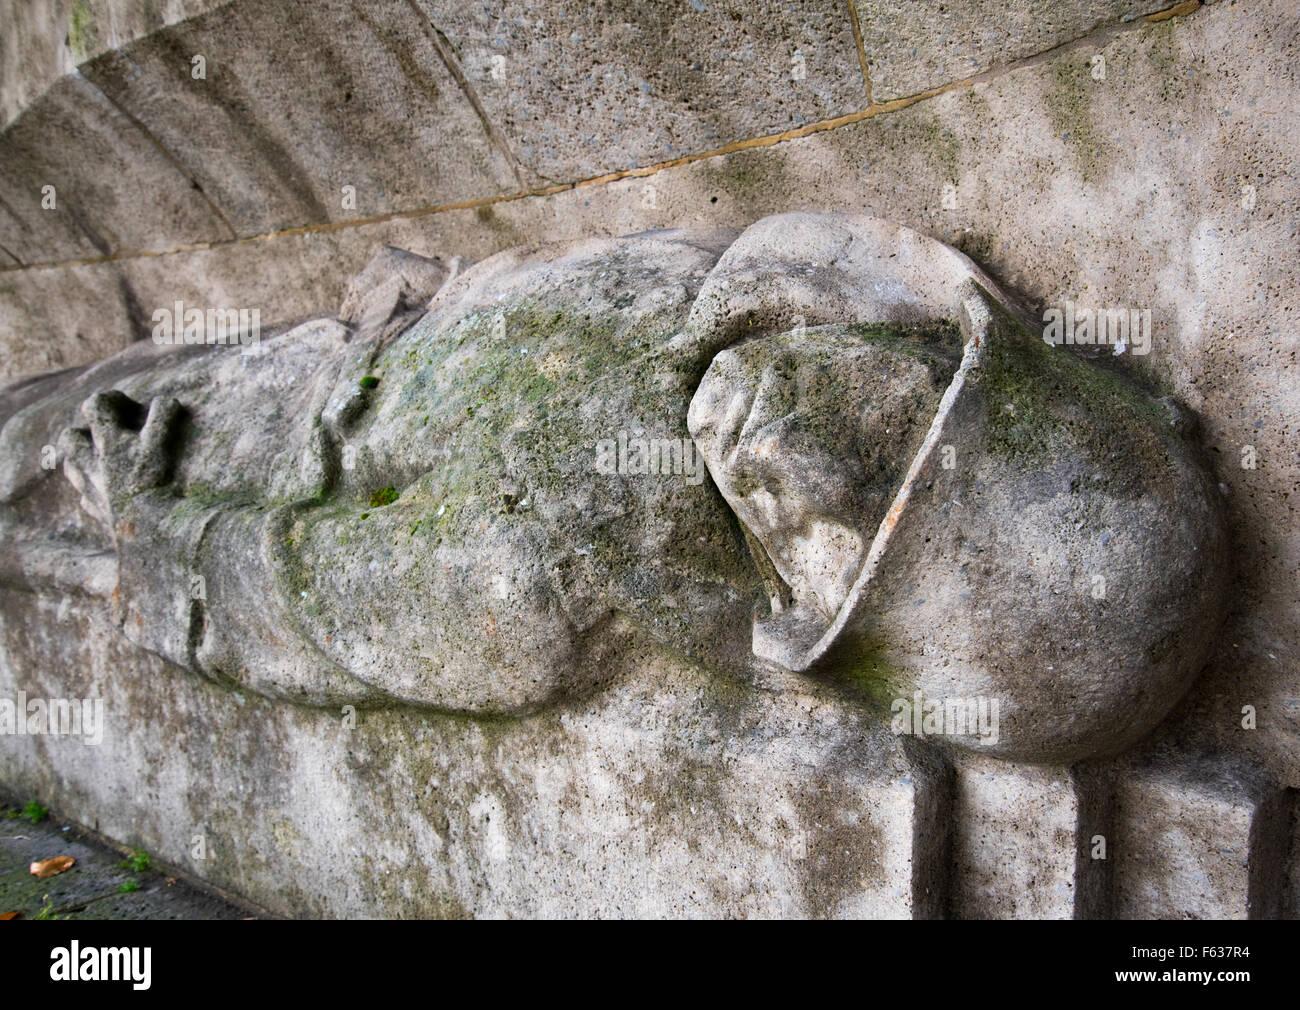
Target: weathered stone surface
484	433
267	138
675	793
42	41
580	89
394	283
1200	838
442	507
103	170
906	570
426	513
273	134
1131	190
912	46
98	315
1025	843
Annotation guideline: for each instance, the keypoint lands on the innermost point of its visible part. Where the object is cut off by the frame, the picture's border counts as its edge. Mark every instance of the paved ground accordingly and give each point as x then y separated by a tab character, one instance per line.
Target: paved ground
93	887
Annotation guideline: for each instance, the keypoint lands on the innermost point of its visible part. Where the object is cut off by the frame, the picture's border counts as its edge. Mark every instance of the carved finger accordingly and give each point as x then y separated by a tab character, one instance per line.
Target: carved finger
155	450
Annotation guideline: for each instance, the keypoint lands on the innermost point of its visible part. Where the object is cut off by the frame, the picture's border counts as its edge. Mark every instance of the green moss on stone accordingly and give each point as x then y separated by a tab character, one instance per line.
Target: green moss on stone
750	177
81	31
858	665
382	496
937	344
1165	52
1069	105
943	148
1043	403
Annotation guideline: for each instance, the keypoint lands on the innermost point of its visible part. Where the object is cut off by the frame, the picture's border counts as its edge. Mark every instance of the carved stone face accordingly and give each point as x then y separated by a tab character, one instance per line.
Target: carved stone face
808	435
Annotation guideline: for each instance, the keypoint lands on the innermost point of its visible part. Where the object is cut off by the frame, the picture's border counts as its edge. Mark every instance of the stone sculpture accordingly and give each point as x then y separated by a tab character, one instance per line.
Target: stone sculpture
910	491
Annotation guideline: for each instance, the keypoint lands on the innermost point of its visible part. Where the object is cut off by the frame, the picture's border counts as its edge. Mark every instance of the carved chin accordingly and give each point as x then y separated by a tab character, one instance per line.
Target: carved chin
816	558
819	563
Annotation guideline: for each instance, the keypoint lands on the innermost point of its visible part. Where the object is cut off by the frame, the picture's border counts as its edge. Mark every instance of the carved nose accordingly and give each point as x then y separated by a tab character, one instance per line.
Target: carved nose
744	420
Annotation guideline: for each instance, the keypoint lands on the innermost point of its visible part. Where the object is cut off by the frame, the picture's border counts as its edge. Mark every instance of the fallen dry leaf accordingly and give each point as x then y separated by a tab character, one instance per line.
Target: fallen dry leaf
43	868
5	916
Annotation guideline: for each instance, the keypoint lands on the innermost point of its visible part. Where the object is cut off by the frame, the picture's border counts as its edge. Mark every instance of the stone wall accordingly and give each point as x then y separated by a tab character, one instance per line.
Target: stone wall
1105	153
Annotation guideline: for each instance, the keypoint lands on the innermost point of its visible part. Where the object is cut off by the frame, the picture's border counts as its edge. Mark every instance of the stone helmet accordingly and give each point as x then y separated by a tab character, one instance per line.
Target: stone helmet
952	515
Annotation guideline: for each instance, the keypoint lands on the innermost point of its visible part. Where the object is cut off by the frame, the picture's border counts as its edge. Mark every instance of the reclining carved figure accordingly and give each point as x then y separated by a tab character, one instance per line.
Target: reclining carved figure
910	490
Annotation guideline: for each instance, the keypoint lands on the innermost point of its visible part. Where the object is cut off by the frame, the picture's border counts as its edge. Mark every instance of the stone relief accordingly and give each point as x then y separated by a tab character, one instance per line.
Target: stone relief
910	494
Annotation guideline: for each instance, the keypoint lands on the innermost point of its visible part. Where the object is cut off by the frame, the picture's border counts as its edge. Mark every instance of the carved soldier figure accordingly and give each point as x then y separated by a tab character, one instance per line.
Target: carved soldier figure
911	492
